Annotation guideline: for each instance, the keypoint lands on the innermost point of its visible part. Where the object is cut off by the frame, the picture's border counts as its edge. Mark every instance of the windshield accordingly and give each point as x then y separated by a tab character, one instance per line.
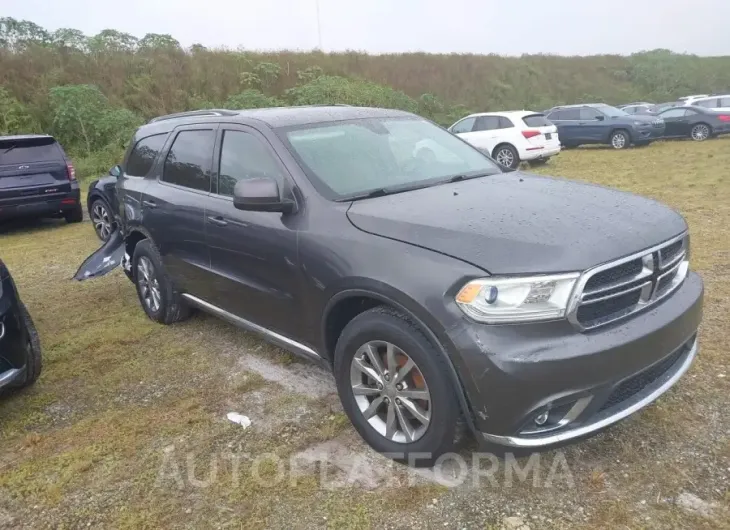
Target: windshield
352	158
611	112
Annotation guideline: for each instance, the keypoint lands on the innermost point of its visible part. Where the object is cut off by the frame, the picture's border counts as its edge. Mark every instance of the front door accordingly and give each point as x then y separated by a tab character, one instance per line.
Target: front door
173	205
253	255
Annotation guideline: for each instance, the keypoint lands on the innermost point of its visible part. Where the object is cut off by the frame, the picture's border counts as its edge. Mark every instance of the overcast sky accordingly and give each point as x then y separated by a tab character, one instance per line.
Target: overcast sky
506	27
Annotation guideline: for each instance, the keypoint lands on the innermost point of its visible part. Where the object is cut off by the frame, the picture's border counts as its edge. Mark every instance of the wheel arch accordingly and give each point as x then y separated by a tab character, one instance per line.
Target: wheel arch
621	128
347	304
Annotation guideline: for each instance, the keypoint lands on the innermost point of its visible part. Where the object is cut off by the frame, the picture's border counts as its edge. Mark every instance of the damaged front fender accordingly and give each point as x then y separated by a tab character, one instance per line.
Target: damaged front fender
104	260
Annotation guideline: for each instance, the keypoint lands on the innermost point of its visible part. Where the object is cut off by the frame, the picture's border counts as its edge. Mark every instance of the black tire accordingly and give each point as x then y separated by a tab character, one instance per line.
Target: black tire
620	139
34	361
172	308
74	216
707	132
446	426
506	152
101	204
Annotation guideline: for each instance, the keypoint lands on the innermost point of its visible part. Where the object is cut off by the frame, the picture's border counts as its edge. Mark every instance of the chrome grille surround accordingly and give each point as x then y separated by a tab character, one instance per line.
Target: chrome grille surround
656	273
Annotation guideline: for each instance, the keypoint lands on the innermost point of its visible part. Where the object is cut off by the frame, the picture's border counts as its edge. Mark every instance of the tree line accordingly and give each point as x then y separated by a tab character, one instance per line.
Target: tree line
92	91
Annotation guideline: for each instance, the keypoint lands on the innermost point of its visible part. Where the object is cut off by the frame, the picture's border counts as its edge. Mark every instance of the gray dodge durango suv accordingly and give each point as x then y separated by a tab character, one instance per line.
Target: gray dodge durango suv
441	291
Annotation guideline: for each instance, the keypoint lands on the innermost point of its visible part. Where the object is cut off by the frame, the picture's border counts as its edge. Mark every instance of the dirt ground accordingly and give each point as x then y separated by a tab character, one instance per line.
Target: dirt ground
128	428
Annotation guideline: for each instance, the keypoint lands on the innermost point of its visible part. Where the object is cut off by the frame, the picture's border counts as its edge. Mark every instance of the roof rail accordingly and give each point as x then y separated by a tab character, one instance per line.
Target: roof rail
192	113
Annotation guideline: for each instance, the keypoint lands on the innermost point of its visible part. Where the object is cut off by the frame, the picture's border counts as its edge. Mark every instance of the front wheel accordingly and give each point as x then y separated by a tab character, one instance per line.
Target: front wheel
507	156
393	386
102	218
700	132
620	140
155	290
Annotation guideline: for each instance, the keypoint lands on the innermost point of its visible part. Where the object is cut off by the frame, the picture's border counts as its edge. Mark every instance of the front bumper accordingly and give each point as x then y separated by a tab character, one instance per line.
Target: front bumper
514	373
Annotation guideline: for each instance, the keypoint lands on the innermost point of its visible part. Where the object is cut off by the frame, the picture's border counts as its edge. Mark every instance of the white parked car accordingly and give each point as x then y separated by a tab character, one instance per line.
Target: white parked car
510	137
714	102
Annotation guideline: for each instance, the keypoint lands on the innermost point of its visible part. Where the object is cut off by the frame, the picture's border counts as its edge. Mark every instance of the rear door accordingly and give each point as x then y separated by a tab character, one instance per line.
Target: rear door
32	169
568	123
173	205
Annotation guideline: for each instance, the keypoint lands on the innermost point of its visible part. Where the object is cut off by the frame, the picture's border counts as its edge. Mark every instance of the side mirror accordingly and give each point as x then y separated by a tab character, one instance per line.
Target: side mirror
260	195
600	117
116	171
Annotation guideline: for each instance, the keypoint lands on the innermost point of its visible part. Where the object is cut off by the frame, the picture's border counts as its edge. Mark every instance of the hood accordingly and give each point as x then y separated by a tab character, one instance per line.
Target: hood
518	223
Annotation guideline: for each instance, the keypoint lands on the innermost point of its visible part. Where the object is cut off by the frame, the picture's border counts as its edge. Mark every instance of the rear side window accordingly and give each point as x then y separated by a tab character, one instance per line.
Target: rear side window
189	161
24	151
725	102
487	123
505	123
243	156
707	103
536	120
144	154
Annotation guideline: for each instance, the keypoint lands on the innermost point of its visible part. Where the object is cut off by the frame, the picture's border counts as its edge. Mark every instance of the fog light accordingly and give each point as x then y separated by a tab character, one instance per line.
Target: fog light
542	418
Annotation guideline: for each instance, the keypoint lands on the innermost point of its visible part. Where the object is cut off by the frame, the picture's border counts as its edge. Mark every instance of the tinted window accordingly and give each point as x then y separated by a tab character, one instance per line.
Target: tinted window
189	160
556	115
30	150
587	113
570	114
243	156
536	120
674	113
463	126
505	123
486	123
630	110
144	154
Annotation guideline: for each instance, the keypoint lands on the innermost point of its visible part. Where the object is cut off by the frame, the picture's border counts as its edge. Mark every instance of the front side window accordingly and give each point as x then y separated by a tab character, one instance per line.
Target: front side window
611	112
244	156
190	158
144	154
352	158
465	125
587	114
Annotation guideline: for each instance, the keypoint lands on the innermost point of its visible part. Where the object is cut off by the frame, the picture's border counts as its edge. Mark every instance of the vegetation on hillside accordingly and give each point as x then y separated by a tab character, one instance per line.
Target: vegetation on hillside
91	91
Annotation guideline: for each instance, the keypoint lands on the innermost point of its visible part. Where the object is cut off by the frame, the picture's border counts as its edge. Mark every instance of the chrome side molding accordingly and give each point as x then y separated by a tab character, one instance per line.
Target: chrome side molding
271	336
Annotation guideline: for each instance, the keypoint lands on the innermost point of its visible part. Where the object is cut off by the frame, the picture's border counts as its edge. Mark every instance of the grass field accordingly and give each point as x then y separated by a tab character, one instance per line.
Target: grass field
128	420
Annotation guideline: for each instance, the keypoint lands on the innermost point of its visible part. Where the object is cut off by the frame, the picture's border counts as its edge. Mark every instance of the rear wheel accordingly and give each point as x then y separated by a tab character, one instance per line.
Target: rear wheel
506	155
159	299
620	139
393	386
76	215
102	218
700	132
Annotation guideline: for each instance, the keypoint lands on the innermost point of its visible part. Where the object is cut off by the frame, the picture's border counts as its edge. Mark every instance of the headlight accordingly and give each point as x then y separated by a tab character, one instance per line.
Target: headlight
500	300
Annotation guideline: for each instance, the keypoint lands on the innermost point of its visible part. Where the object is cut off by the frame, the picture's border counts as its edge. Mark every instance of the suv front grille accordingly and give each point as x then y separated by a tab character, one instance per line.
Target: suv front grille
618	289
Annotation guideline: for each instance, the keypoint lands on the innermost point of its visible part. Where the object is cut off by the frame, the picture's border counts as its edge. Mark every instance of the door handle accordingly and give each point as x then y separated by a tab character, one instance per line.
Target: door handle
218	220
149	204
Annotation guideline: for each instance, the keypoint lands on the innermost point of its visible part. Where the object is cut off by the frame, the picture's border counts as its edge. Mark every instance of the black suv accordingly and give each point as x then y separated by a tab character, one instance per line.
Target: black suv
37	179
603	124
440	290
20	350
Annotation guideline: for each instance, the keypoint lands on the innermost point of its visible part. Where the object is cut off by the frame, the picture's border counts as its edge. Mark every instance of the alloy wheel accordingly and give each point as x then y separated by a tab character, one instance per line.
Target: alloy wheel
618	141
102	221
700	132
390	391
505	157
149	287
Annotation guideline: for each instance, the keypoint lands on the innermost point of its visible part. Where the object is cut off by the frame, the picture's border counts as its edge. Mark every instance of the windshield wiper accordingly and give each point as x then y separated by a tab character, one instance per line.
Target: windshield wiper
10	148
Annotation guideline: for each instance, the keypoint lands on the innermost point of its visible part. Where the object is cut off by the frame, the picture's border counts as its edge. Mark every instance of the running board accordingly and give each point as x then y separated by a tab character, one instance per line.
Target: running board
271	336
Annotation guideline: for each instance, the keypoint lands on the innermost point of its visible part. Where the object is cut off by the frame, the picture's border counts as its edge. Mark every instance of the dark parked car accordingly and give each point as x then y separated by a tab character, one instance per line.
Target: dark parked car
37	179
101	202
441	291
20	350
696	123
603	124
